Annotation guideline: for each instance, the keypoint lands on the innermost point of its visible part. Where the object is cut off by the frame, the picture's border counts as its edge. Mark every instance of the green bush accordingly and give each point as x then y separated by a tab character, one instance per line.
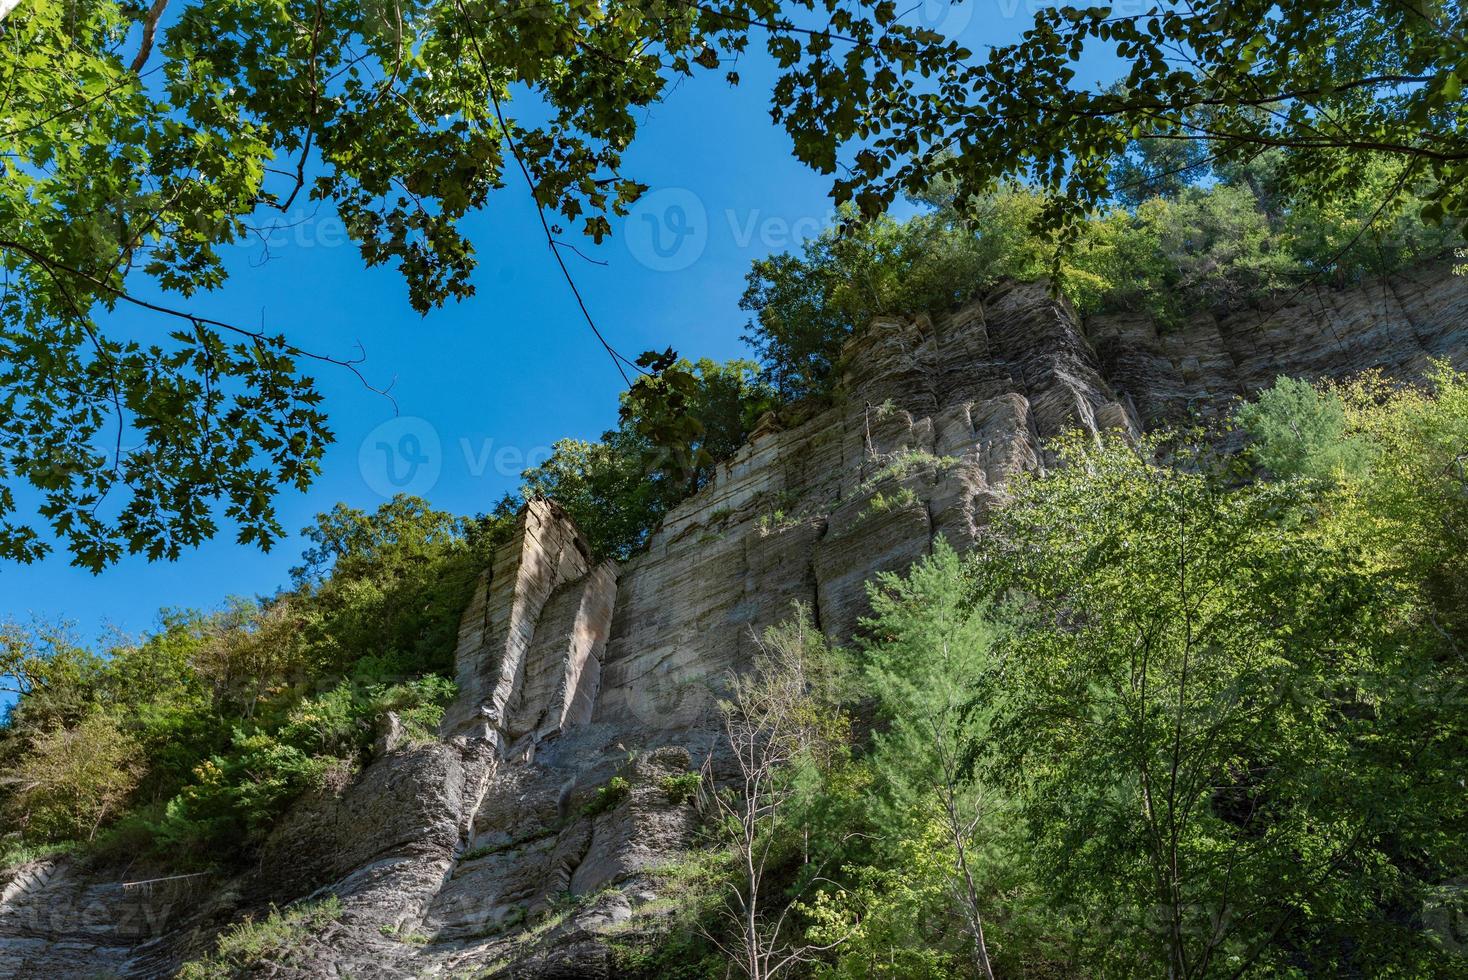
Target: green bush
682	788
70	781
201	734
881	503
607	797
1297	429
276	938
234	798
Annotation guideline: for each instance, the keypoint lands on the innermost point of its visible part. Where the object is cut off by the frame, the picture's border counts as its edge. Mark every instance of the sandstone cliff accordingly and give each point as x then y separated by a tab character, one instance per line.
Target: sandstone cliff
478	854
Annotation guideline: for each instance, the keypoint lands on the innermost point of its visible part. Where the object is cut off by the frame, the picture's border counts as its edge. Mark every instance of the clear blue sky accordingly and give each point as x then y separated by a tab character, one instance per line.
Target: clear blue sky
498	378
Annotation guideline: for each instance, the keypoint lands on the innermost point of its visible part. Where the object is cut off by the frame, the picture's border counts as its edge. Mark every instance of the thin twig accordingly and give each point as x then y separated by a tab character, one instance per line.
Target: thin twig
489	84
258	336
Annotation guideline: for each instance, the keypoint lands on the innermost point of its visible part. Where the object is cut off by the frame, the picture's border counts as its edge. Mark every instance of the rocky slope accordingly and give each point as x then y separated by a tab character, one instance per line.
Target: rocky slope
495	850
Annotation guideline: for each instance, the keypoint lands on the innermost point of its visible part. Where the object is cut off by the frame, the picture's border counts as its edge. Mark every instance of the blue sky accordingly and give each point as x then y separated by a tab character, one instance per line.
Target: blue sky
493	381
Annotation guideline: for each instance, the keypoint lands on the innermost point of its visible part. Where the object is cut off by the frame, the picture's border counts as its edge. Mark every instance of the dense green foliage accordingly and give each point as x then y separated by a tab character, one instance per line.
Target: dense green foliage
193	739
137	148
676	424
140	144
1173	718
1331	87
1210	725
1239	238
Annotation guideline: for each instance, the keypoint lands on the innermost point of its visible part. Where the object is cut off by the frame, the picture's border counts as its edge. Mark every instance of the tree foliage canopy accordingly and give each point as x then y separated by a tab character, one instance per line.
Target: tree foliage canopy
1209	240
136	151
1211	714
192	740
1330	86
140	143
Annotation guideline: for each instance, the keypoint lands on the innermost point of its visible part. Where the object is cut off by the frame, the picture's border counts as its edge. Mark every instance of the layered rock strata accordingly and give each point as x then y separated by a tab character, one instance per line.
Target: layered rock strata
504	847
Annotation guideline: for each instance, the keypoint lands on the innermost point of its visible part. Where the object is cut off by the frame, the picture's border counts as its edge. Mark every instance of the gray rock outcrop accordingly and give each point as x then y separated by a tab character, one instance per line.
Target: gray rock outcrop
505	846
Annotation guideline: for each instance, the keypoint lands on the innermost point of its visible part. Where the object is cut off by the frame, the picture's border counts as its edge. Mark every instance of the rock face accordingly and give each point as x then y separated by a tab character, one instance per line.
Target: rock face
505	847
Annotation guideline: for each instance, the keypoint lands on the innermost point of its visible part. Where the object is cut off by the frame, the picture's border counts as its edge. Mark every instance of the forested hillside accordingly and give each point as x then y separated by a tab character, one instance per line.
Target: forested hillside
1192	706
1182	713
1070	580
1179	715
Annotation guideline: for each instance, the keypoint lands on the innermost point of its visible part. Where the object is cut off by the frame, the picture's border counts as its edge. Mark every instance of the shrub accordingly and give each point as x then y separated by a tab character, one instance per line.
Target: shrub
1297	429
277	938
420	705
234	798
71	780
607	797
682	788
882	503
